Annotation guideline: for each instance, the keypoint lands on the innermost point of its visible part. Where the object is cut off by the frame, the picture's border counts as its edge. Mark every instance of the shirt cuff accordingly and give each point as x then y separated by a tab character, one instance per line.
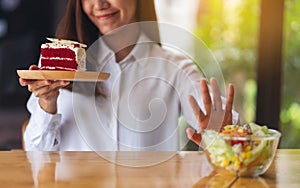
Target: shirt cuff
41	122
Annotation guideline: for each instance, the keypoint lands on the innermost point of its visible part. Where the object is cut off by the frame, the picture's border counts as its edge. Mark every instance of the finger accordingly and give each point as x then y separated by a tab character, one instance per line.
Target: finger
45	91
193	136
43	83
230	97
206	97
229	105
38	84
55	86
33	67
59	84
197	110
25	82
216	94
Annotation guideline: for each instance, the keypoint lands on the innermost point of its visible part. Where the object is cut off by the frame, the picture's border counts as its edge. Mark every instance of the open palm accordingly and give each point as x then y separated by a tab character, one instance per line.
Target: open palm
215	116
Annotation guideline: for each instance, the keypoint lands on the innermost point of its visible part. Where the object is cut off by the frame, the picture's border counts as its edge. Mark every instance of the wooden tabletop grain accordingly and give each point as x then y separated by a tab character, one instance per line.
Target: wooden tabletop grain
135	169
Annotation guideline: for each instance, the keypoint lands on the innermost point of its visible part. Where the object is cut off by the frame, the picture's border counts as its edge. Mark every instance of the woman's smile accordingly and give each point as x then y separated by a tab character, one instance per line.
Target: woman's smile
107	16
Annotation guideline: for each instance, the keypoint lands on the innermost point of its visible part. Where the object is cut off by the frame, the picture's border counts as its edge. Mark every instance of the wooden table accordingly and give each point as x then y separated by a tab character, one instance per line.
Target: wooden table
134	169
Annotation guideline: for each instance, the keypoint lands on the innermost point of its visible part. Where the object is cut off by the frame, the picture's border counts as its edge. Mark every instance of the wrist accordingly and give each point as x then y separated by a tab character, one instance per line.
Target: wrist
49	106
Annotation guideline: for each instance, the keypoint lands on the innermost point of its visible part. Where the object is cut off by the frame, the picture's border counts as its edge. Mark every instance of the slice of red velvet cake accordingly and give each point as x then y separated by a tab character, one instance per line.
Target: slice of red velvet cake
63	55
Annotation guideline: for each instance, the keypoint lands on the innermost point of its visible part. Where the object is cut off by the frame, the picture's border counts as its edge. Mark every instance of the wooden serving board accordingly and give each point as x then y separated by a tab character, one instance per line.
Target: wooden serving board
63	75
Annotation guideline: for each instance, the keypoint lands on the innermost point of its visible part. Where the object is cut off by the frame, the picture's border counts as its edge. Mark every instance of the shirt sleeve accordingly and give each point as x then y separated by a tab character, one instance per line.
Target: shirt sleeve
42	132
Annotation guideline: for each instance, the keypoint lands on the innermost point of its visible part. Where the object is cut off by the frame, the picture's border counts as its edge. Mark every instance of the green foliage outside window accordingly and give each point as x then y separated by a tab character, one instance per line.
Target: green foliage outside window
290	113
230	30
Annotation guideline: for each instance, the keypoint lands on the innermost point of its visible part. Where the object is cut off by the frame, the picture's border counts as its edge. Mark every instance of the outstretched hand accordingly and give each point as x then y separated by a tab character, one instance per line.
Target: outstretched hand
214	117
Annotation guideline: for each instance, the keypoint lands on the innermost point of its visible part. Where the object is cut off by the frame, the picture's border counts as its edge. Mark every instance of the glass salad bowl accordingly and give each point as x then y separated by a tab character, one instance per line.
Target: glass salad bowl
246	150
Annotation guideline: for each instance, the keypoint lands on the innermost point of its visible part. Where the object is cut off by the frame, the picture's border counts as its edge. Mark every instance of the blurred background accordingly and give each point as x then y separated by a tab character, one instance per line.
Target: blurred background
231	29
24	25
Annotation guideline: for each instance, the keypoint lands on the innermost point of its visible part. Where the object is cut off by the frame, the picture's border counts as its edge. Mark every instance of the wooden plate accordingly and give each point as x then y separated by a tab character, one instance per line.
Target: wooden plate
63	75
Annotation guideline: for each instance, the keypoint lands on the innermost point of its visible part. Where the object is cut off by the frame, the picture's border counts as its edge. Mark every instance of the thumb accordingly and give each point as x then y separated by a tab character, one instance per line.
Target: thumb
193	136
33	67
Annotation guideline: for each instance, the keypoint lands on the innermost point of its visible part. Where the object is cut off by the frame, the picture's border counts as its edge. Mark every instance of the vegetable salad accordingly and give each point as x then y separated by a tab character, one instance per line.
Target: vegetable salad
239	148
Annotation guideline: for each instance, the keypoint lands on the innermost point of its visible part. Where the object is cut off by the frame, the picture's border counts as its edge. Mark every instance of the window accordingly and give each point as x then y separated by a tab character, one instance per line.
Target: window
230	30
290	108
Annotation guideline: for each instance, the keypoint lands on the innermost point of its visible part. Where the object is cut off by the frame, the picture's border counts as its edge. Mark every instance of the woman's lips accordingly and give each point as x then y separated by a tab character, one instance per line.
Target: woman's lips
106	16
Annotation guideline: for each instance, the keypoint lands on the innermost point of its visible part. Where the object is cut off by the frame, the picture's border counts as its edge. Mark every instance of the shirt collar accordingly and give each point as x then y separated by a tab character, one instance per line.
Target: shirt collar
141	50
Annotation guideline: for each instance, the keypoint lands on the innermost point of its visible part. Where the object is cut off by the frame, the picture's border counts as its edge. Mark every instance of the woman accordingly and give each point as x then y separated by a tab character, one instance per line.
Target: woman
138	107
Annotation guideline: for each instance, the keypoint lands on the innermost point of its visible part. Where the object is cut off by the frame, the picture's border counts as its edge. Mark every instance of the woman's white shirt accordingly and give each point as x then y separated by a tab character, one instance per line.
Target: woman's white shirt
143	98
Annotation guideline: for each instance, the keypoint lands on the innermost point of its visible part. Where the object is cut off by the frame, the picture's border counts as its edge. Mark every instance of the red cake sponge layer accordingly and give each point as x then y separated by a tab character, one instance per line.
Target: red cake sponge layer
58	52
63	64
